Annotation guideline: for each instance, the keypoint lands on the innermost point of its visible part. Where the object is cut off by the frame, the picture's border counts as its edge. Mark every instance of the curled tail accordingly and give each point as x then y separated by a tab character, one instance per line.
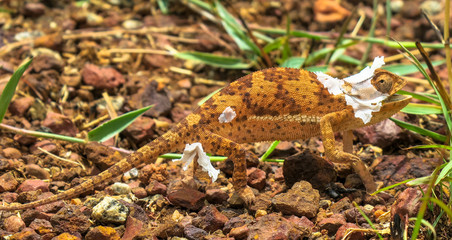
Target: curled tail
148	153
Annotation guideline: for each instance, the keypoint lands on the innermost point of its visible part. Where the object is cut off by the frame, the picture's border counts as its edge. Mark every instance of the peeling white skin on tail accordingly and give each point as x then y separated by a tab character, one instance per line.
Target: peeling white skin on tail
363	96
190	152
227	116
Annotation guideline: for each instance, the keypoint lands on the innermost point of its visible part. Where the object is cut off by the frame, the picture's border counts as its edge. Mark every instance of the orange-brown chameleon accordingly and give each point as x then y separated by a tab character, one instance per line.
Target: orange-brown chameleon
271	104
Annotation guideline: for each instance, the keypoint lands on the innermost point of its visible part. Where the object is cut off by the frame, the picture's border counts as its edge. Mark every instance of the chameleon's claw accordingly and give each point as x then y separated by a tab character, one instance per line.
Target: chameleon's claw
247	196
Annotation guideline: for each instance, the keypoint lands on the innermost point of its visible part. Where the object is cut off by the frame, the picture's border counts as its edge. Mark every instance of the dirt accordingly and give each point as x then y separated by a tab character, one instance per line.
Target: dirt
85	49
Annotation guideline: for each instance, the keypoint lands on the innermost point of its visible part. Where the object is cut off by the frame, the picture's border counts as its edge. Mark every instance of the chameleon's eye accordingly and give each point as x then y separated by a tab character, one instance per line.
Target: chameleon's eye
383	85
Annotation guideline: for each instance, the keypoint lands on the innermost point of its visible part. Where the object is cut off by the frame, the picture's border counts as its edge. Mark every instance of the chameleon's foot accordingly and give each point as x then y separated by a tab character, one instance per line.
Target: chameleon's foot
367	178
242	197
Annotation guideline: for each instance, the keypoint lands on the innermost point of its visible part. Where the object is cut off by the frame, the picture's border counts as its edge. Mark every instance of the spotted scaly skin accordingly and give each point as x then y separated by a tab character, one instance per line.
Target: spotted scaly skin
271	104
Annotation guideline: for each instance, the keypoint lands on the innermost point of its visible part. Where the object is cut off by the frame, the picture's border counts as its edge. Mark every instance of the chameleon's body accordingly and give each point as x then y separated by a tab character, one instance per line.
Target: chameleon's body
272	104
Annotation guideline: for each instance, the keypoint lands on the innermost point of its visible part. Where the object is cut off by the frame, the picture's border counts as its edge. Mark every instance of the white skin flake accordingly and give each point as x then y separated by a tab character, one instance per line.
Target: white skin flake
227	115
363	96
190	152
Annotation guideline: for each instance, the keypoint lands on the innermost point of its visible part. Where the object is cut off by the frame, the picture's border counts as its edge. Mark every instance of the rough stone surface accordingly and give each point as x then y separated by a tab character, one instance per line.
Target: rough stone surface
150	95
408	203
332	224
119	188
70	219
8	182
33	185
216	195
188	198
102	233
309	167
101	78
155	187
13	224
194	233
12	153
301	200
51	207
142	129
20	106
60	124
341	205
256	178
239	232
36	171
41	226
273	226
110	210
133	228
210	219
353	236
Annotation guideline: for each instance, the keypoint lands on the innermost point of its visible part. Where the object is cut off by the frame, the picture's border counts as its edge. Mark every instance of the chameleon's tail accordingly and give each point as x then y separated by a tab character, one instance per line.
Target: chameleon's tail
148	153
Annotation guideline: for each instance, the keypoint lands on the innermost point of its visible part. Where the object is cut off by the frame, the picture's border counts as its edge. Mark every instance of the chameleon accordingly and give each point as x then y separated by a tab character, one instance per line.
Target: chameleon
266	105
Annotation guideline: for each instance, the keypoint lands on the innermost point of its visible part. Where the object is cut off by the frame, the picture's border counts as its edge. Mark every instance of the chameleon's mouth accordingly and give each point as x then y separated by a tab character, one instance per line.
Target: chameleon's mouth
396	98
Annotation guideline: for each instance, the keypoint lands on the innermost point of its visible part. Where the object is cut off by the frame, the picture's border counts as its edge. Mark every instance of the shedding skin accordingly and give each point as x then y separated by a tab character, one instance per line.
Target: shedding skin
271	104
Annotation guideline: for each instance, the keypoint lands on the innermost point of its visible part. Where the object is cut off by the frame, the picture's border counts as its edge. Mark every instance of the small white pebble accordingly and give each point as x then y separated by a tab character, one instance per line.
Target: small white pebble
119	188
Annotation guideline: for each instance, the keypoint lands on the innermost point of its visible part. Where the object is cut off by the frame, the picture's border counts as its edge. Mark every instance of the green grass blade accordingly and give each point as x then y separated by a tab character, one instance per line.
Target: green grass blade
427	224
422	109
270	150
114	126
444	172
349	60
420	96
323	68
431	146
163	5
214	60
392	186
10	88
442	206
425	132
367	219
208	97
293	62
405	69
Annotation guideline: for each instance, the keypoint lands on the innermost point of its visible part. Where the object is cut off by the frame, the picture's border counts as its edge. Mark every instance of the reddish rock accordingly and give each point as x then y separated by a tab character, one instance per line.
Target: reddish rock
9	197
273	226
46	145
13	224
309	167
151	95
12	153
33	185
101	78
155	187
35	170
193	233
47	62
26	233
354	236
142	129
234	222
188	198
407	203
19	106
353	215
133	228
155	61
152	172
102	233
8	182
300	200
341	205
332	224
216	195
60	124
279	175
70	219
41	226
256	178
139	192
184	83
178	113
51	207
303	222
210	219
239	232
382	134
34	9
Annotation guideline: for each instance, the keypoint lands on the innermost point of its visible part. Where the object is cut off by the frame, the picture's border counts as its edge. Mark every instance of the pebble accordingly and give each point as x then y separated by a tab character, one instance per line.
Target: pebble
241	232
301	200
26	233
130	175
120	188
150	95
194	233
432	7
232	223
332	224
13	224
70	219
341	205
153	172
256	178
48	61
102	233
12	153
408	203
41	226
132	24
60	124
36	171
210	219
8	182
354	236
34	9
396	5
139	192
142	129
19	106
46	145
66	236
110	210
216	195
303	222
155	187
101	78
274	226
188	198
33	185
133	228
51	207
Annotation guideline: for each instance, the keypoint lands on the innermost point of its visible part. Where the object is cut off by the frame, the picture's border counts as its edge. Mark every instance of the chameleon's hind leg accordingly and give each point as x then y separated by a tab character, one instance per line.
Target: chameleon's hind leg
335	155
217	144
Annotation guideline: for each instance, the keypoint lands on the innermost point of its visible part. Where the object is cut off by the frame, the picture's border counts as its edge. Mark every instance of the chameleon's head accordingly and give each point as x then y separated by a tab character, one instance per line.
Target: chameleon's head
387	82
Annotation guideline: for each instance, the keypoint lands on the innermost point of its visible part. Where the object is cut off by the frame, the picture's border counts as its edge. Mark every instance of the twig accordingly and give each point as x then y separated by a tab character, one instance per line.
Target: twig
60	158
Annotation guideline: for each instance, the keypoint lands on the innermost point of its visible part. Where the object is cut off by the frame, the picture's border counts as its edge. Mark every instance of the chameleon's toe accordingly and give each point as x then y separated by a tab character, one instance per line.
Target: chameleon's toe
247	196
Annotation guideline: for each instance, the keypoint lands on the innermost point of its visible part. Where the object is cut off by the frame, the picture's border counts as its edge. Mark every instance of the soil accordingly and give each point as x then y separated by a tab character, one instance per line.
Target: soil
94	60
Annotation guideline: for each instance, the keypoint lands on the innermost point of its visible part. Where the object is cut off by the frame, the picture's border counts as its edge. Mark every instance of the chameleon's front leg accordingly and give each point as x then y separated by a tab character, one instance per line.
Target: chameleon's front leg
339	156
220	145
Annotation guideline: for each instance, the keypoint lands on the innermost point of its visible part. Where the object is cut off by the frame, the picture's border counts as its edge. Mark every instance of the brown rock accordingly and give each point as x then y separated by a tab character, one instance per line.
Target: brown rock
155	61
216	195
60	124
36	171
300	200
273	226
102	233
46	145
303	222
256	178
150	95
33	185
133	228
13	224
210	219
239	232
41	226
70	219
47	62
155	187
184	83
12	153
328	11
308	166
101	78
8	182
408	203
66	236
153	172
19	106
26	233
9	197
51	207
354	236
142	129
341	205
193	233
34	9
332	224
188	198
382	134
139	192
